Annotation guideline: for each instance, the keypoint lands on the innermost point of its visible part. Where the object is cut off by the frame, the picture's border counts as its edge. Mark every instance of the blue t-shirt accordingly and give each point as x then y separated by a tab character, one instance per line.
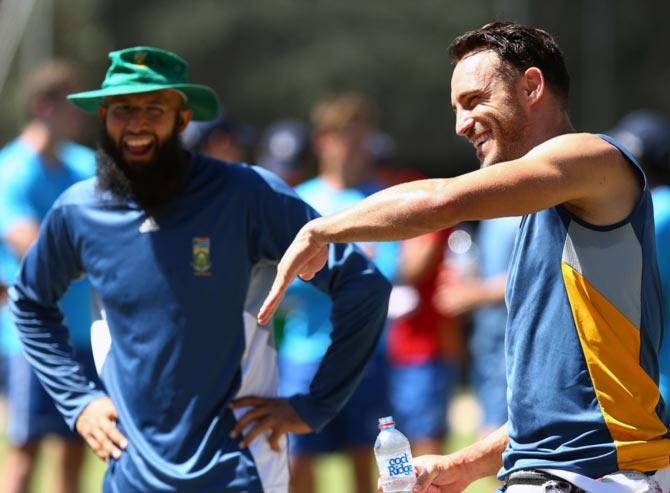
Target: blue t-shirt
307	331
181	292
29	185
582	342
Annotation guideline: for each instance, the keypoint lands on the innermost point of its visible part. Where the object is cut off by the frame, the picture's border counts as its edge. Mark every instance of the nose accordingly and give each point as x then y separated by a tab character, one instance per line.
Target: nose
464	123
136	119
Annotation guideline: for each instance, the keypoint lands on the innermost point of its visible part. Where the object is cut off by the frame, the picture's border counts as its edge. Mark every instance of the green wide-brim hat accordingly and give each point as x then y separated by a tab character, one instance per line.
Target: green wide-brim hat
145	69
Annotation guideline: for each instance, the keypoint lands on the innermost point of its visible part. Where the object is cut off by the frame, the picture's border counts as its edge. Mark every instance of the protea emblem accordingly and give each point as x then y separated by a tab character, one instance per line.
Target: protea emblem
202	263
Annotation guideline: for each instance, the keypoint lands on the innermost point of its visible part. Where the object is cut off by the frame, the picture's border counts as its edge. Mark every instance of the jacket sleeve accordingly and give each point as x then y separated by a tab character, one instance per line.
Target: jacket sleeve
359	294
45	274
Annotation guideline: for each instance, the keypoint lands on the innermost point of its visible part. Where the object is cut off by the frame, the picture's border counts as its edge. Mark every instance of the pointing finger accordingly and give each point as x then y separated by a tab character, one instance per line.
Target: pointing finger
273	299
268	308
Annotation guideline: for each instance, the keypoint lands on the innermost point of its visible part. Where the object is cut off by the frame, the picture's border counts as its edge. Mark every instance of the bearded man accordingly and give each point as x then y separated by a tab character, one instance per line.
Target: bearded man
181	251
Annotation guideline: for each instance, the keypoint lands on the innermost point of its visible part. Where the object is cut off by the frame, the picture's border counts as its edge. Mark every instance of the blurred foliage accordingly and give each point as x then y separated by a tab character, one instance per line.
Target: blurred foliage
271	59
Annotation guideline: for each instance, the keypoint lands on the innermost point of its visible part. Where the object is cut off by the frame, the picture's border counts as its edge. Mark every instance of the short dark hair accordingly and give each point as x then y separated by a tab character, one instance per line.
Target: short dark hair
519	48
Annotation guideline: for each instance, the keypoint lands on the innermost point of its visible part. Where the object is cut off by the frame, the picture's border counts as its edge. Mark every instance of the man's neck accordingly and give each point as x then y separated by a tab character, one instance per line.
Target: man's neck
551	125
562	125
39	137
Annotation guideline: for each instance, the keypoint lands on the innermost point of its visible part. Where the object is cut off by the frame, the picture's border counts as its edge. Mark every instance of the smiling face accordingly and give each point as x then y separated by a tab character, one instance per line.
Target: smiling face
488	106
139	124
140	155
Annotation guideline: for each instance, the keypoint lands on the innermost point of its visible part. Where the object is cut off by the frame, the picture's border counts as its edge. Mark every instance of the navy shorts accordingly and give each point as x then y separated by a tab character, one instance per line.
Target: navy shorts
420	395
355	426
31	414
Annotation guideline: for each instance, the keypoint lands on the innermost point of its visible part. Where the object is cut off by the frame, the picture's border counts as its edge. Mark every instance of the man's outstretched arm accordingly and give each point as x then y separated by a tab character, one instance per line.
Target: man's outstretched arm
581	171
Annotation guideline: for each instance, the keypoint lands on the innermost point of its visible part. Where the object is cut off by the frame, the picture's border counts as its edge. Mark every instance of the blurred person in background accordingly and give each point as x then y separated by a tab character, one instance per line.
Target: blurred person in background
224	138
382	148
482	294
584	300
286	150
35	168
341	125
647	134
424	347
181	249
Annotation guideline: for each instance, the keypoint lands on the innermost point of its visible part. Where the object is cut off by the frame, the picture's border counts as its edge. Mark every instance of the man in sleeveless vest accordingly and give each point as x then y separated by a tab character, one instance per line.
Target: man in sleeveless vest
584	323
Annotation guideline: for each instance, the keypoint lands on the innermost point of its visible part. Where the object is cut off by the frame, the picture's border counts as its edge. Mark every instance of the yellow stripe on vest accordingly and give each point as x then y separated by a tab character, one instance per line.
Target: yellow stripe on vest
626	394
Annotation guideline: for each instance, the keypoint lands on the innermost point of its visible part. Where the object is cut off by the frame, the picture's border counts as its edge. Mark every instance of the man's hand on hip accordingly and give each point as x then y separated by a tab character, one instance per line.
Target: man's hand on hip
267	414
97	424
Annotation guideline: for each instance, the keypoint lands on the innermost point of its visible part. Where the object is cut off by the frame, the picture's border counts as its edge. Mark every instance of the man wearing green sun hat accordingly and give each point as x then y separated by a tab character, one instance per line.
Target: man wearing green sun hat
143	69
181	250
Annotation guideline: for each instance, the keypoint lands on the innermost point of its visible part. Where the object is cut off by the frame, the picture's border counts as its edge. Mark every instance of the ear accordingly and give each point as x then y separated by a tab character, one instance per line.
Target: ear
102	113
185	116
532	84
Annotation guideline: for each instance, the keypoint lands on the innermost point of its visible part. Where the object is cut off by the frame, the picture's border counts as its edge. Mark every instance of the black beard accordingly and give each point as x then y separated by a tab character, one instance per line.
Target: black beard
152	185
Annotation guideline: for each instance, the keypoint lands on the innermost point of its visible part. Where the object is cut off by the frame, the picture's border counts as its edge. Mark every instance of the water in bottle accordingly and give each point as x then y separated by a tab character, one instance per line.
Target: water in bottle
394	458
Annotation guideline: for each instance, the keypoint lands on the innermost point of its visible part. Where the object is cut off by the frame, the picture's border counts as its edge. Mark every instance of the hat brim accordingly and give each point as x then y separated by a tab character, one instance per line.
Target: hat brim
200	99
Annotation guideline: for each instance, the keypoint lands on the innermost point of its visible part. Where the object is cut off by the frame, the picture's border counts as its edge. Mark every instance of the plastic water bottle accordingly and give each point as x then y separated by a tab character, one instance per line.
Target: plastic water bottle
394	458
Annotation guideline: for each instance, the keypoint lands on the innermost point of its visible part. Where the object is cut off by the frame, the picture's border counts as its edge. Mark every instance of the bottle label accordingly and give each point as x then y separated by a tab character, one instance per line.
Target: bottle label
400	466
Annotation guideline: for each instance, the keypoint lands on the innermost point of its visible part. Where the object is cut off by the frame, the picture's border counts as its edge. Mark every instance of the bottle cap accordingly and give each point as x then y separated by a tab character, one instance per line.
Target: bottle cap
386	422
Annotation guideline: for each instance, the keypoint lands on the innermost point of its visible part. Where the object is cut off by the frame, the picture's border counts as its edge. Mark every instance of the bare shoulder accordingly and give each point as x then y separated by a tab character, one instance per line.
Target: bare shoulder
582	172
611	184
590	160
579	146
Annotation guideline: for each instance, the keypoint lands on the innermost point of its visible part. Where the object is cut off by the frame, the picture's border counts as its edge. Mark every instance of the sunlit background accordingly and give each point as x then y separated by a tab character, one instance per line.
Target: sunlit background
271	59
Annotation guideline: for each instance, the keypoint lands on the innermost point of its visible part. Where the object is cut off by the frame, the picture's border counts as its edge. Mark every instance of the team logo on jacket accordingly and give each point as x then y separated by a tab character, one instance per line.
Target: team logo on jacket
202	263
